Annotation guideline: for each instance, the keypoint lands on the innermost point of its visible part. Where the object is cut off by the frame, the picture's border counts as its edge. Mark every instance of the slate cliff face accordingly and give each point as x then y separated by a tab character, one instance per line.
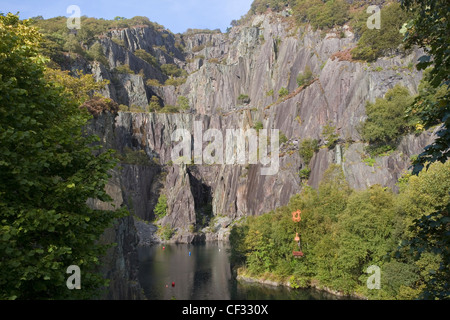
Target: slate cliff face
257	60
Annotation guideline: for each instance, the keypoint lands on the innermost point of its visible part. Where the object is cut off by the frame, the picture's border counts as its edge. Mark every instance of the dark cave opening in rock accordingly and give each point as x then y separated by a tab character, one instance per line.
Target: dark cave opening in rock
202	194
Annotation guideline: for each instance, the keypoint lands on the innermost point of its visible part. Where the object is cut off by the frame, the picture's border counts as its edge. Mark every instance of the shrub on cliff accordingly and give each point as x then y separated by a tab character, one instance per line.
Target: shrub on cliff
147	57
322	15
329	134
283	92
305	77
375	43
173	70
98	104
307	149
160	210
96	53
124	69
243	99
386	120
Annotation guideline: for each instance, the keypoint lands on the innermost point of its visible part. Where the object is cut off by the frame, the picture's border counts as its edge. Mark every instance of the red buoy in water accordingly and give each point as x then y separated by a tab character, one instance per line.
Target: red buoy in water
173	284
164	248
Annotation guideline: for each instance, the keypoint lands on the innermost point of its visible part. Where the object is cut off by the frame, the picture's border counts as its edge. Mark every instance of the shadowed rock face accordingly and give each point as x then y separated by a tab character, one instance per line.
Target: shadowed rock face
257	60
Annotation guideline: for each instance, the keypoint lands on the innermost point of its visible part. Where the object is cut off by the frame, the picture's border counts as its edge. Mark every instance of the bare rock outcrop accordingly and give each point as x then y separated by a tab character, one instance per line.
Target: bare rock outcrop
254	60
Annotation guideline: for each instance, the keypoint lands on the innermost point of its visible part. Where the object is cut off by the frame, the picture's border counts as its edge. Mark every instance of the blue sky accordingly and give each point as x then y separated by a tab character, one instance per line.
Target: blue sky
176	15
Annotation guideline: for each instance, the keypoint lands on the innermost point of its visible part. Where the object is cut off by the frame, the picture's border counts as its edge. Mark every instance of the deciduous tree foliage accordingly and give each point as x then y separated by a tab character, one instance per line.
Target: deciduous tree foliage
48	171
375	43
386	120
345	231
431	31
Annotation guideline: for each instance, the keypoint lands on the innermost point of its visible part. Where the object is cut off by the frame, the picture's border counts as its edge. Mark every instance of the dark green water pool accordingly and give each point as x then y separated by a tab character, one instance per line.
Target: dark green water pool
204	274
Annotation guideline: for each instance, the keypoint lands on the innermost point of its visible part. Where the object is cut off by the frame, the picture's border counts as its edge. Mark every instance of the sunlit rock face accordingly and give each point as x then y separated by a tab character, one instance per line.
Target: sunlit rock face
254	60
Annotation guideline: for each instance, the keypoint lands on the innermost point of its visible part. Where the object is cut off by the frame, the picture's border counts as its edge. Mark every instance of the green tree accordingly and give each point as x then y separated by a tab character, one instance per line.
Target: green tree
96	52
260	6
243	99
258	125
424	205
375	43
144	55
386	120
321	14
173	70
282	138
330	135
72	45
183	103
161	207
430	30
283	92
366	229
307	149
305	77
124	69
79	88
154	104
48	171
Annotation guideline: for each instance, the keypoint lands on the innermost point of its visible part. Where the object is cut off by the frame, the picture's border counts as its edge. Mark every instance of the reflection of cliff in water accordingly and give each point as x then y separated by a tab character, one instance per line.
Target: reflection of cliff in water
204	275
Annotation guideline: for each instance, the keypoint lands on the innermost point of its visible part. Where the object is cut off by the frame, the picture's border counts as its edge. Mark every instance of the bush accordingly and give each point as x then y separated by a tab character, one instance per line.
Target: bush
96	53
124	69
304	173
369	161
160	210
344	231
173	70
147	57
269	93
283	138
119	42
330	135
258	125
166	232
261	6
305	77
175	82
153	83
72	45
154	104
134	157
136	109
376	43
183	103
307	149
99	104
322	15
386	120
243	99
283	92
169	109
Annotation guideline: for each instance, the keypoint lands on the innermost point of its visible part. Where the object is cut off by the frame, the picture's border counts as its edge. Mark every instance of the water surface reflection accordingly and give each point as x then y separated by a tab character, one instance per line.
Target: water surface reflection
204	274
